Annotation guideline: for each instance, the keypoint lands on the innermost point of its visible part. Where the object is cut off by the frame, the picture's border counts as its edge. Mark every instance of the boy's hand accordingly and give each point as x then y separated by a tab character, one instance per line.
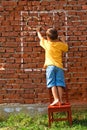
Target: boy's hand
38	29
63	39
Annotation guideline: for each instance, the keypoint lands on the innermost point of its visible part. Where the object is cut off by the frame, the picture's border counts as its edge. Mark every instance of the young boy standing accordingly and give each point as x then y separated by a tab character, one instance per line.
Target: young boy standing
53	62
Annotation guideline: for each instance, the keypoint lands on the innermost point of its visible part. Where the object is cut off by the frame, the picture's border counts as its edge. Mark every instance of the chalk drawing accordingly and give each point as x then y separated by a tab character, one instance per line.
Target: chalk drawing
26	16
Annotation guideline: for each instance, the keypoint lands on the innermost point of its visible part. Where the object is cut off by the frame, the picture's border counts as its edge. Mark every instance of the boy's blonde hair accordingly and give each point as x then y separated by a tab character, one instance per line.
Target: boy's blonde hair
52	33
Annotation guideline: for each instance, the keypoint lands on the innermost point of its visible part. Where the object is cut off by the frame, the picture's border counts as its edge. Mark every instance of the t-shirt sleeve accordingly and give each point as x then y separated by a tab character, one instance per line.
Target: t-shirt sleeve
64	47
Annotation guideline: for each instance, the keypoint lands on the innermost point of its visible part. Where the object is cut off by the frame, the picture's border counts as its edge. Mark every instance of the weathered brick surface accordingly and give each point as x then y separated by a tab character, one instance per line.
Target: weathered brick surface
23	80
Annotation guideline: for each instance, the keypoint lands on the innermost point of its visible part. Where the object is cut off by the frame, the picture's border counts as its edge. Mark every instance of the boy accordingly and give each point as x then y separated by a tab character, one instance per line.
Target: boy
53	62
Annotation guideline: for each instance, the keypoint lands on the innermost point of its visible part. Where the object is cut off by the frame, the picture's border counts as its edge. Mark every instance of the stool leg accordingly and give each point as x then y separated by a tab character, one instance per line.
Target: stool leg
52	116
70	117
49	118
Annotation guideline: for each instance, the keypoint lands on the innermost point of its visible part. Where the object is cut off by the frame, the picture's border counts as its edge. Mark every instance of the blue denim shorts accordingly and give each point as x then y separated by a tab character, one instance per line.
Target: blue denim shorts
54	76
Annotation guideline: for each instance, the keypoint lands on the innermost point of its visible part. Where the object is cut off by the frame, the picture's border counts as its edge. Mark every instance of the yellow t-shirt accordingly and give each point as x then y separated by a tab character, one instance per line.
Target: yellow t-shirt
53	52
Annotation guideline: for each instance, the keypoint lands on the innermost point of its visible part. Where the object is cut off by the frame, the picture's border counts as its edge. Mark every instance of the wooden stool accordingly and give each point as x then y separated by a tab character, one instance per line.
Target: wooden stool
66	108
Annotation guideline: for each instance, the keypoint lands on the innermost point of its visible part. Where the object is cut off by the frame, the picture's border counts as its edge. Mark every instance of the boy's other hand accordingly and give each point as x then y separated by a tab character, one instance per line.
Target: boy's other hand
63	38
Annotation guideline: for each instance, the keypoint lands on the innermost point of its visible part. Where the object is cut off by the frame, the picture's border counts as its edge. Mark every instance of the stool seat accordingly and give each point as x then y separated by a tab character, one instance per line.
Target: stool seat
65	107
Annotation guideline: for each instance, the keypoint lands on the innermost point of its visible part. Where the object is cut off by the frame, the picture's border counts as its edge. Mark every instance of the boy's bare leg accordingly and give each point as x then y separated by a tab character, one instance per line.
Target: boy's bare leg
60	93
55	95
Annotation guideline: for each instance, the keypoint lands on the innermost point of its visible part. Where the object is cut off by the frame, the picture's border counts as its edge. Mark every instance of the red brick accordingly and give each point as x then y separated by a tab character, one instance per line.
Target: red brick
1	8
84	7
9	3
22	3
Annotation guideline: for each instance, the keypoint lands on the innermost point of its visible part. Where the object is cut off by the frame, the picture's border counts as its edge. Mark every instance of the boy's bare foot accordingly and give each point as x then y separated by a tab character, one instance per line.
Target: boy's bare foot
54	102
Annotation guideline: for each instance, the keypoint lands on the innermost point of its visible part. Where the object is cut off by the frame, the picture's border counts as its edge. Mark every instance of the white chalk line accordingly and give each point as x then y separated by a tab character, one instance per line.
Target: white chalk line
22	44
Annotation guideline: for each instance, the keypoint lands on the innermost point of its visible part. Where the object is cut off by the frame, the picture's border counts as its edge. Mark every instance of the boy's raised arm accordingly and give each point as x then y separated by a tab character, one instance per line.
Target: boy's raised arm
38	32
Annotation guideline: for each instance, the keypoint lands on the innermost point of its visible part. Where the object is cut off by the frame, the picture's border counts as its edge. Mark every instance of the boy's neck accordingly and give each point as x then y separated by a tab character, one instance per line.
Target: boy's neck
56	40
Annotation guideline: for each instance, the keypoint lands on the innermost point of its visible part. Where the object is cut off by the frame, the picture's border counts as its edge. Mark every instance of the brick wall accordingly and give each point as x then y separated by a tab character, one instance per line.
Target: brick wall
23	80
